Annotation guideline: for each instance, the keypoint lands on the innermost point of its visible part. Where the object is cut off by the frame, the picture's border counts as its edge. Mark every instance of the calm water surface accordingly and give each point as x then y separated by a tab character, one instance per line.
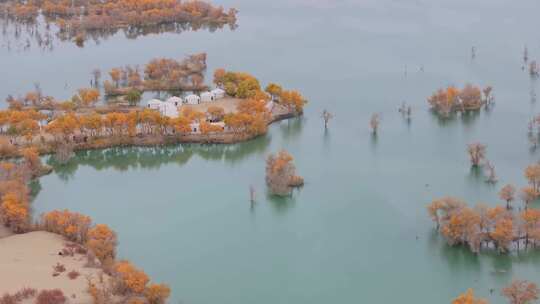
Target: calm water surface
350	235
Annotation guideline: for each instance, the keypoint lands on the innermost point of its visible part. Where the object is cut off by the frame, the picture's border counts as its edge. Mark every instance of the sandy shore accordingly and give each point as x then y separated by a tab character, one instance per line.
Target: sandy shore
4	232
27	260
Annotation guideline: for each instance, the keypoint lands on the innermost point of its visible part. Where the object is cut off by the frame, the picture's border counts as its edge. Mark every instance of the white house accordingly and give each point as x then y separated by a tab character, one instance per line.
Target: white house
169	110
192	99
154	104
165	108
218	93
177	101
207	97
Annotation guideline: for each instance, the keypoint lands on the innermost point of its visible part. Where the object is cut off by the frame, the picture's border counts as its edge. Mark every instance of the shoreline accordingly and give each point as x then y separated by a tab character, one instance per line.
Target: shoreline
223	138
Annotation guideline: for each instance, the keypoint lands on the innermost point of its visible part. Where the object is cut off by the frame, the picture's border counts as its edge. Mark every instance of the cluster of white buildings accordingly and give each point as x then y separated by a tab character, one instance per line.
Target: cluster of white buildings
170	106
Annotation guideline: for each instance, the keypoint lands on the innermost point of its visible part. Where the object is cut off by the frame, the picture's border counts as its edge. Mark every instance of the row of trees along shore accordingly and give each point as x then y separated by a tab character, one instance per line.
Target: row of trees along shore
96	241
79	123
517	292
160	74
79	18
503	228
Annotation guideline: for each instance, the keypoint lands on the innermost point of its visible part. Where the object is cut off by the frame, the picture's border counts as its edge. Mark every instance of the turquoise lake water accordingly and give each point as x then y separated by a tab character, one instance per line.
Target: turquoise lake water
357	232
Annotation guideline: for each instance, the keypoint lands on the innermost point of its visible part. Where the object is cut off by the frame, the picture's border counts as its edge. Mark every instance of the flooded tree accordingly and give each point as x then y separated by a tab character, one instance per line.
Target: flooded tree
485	227
452	99
477	153
326	116
490	172
534	69
469	298
521	292
96	74
374	123
532	174
528	194
507	194
281	174
251	194
405	110
488	97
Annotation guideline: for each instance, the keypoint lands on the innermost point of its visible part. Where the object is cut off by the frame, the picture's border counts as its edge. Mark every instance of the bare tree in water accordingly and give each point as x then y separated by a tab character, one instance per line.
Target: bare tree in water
490	172
405	110
97	75
534	69
488	97
374	123
326	116
38	91
251	194
477	153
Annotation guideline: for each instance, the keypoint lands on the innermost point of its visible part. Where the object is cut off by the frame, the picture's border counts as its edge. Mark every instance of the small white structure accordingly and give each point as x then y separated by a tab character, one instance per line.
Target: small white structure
165	108
207	97
192	99
169	110
218	93
195	127
154	104
176	101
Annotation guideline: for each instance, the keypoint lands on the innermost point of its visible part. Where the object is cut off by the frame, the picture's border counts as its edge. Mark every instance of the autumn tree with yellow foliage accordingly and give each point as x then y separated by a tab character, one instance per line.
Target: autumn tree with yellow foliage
452	99
492	227
469	298
281	174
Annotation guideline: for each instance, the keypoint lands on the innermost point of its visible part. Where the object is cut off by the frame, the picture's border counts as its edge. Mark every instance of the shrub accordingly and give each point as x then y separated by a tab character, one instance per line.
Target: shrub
73	274
59	268
26	293
8	299
54	296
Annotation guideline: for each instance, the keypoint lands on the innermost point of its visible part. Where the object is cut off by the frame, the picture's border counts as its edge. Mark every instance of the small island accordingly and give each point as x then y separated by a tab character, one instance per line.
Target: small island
451	100
83	19
237	109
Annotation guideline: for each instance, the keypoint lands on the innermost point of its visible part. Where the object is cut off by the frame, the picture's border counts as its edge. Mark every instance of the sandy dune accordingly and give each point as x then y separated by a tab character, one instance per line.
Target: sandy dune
27	260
